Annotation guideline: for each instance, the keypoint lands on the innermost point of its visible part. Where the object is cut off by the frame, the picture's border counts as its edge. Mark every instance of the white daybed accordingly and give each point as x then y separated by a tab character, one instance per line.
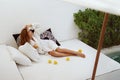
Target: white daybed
75	69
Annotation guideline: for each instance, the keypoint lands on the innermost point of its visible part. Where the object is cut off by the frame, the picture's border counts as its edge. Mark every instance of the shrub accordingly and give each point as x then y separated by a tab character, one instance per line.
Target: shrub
90	22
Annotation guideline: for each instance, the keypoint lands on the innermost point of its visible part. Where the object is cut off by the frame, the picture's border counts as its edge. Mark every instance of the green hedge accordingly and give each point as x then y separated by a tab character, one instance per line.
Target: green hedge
90	22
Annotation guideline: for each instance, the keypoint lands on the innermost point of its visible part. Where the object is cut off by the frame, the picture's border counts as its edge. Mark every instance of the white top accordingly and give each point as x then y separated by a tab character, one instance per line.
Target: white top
44	46
109	6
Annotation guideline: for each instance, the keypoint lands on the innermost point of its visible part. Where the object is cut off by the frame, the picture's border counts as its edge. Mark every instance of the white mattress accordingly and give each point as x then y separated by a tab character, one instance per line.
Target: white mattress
75	69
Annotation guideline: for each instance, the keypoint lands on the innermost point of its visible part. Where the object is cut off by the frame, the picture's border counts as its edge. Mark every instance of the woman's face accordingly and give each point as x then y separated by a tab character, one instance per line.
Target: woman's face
29	30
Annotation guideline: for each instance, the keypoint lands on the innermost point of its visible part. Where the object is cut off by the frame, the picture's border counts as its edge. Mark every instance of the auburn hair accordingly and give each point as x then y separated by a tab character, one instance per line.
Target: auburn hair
24	37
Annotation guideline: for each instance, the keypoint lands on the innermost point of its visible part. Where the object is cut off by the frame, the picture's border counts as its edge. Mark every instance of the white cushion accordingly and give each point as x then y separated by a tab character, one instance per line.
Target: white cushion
8	68
18	57
39	29
61	33
30	52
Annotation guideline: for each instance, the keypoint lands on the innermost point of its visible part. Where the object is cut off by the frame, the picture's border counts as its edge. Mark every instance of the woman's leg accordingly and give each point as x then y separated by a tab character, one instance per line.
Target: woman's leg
59	54
63	50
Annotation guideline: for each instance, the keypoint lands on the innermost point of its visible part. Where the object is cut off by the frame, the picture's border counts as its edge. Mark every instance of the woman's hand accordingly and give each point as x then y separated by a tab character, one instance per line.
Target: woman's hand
35	46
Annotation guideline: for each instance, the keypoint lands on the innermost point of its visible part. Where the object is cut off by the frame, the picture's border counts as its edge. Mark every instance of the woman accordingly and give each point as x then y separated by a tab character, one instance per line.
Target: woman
44	46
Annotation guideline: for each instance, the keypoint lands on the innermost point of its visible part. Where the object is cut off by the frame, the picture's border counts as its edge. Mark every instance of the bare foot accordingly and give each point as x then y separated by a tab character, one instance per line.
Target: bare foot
81	55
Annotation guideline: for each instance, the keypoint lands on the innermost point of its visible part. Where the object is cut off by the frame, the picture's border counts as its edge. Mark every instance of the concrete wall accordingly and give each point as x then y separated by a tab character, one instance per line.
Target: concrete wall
14	14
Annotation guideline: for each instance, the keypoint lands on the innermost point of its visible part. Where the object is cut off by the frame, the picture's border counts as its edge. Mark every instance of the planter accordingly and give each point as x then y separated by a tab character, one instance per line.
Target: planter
111	50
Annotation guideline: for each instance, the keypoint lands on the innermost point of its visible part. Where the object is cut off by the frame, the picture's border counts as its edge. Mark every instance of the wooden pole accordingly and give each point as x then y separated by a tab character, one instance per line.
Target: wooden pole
100	44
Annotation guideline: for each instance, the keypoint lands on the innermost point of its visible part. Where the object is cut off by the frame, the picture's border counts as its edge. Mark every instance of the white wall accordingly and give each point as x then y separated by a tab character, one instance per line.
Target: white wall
14	14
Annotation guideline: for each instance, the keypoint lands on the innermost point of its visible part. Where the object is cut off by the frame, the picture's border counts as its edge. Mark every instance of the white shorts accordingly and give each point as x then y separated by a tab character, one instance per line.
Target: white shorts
44	45
48	45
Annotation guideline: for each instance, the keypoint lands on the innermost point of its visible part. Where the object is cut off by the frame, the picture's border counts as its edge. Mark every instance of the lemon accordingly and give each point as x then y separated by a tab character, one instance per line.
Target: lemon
49	61
67	59
55	62
80	50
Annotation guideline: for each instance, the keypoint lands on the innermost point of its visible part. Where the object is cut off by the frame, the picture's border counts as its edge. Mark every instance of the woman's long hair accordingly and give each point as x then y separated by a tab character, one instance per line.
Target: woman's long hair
24	37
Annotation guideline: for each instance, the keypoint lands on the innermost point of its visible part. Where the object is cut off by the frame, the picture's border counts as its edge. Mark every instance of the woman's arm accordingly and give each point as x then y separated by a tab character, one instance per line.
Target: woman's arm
35	46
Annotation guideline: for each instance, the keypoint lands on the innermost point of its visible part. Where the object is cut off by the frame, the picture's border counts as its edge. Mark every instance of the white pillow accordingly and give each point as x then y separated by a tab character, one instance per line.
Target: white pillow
39	28
18	57
30	52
